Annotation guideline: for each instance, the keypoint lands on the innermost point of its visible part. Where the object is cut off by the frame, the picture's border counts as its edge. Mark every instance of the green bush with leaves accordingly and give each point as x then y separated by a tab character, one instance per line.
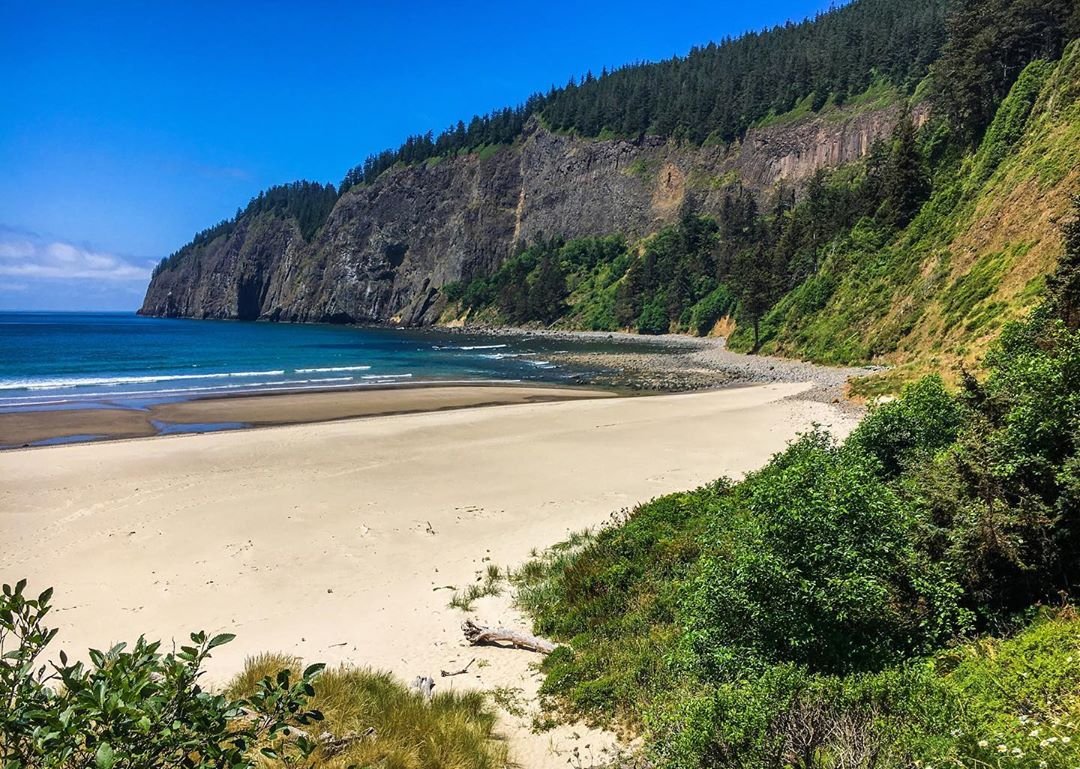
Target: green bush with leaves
614	594
903	433
136	708
653	319
710	309
814	565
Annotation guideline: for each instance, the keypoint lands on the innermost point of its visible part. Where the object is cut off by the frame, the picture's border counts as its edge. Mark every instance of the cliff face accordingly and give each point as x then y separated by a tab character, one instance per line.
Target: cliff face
387	248
976	257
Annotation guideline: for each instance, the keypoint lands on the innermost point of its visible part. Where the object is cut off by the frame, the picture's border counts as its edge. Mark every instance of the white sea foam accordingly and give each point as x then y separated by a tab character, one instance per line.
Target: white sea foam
331	369
171	392
64	383
470	347
386	376
295	386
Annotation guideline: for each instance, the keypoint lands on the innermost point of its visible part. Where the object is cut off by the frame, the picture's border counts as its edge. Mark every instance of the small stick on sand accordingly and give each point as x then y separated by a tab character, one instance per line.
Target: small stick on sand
500	636
463	671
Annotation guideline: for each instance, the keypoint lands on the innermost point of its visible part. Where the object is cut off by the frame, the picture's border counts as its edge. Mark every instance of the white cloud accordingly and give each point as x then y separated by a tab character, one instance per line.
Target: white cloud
21	257
16	249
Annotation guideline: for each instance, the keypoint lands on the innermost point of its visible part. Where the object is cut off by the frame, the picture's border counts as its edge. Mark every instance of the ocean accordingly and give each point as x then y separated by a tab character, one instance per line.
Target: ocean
66	360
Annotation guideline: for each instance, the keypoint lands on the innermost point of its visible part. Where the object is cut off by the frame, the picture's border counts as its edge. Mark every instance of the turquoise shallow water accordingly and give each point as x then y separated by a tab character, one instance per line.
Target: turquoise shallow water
61	360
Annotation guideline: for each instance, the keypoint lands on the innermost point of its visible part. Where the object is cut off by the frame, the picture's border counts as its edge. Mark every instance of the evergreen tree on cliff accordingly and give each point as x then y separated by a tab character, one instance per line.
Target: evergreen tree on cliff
989	44
1063	286
905	185
547	295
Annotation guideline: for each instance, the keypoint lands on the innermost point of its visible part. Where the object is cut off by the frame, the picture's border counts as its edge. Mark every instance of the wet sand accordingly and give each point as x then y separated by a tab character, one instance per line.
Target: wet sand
65	425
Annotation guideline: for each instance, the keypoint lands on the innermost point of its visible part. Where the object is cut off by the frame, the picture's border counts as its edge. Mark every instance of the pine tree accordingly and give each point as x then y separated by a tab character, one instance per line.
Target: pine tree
989	43
905	185
547	295
755	283
628	296
1063	287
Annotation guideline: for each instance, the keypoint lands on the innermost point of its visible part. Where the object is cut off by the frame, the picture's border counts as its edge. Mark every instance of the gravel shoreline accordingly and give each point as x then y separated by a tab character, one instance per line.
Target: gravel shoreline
685	364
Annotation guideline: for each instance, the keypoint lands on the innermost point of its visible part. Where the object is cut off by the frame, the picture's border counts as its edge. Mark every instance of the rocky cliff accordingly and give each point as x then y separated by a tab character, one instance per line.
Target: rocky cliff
387	248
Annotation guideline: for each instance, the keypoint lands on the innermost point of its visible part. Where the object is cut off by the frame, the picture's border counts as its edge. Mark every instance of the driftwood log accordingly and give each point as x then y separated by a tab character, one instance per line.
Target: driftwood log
501	636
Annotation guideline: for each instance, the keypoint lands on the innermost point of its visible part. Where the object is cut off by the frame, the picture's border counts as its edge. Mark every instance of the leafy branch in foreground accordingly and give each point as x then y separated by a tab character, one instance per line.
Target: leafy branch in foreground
137	708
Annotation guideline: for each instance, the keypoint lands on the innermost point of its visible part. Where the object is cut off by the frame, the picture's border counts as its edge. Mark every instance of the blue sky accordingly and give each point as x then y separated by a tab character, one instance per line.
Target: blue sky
126	127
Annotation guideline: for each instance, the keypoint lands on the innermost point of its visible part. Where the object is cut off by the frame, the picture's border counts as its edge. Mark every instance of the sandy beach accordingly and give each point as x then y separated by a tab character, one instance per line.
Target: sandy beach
337	541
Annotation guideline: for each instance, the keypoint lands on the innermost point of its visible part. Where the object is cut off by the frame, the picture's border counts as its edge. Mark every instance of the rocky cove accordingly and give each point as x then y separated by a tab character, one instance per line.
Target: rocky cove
674	363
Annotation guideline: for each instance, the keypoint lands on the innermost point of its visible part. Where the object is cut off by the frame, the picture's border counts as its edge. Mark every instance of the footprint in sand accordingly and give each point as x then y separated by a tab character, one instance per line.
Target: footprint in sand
471	513
233	550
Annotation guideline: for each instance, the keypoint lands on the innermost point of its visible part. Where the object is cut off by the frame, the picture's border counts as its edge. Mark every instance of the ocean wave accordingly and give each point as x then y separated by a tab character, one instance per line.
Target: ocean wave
24	401
65	383
331	369
387	376
470	347
294	386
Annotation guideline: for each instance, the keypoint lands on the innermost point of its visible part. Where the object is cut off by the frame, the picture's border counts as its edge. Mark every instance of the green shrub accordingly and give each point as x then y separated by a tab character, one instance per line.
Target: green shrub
653	319
617	594
1022	693
136	708
1000	505
956	709
923	421
814	565
711	308
454	292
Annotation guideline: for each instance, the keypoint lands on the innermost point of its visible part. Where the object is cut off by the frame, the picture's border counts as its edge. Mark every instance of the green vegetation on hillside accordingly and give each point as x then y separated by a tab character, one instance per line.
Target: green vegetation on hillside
989	44
716	91
833	608
719	91
971	259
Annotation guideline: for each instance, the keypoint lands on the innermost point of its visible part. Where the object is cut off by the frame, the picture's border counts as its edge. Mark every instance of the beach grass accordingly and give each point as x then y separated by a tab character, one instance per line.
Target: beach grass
398	727
489	583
